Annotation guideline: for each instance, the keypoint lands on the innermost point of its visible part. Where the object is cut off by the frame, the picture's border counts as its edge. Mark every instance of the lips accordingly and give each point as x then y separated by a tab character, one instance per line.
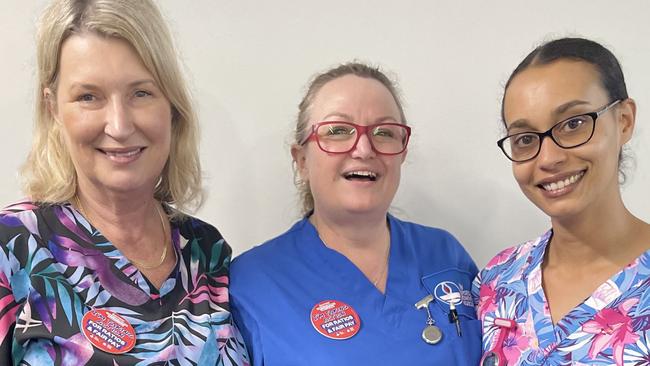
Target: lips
122	155
361	175
557	185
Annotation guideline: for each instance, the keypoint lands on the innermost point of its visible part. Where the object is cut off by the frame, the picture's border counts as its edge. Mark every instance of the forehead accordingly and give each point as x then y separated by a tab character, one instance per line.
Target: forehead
355	96
89	54
539	90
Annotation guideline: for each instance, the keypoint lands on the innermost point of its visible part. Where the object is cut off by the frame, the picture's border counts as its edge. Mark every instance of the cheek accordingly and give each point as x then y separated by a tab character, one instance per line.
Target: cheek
522	173
156	124
79	127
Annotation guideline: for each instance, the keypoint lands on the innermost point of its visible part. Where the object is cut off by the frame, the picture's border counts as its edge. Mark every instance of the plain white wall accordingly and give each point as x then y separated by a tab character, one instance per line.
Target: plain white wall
248	63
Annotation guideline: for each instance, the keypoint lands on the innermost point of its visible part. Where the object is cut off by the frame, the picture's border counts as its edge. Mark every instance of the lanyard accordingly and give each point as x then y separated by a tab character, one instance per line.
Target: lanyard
495	356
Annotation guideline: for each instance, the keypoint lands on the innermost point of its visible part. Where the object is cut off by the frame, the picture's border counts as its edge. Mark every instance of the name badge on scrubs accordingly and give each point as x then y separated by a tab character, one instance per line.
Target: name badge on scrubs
108	331
335	319
451	289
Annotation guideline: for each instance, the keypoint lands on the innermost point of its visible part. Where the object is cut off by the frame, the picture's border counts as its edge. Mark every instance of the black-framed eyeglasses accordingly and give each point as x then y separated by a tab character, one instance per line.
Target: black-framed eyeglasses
567	134
337	137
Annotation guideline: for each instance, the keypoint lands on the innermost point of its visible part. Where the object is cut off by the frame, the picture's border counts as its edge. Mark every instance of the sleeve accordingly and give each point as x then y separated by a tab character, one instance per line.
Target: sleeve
476	287
9	307
249	331
210	252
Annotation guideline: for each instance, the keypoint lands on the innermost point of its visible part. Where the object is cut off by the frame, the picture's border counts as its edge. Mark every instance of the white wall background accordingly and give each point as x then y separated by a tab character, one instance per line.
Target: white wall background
248	63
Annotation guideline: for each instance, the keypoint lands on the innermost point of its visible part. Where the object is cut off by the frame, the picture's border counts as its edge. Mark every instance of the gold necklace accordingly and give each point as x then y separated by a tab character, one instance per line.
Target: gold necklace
383	269
138	264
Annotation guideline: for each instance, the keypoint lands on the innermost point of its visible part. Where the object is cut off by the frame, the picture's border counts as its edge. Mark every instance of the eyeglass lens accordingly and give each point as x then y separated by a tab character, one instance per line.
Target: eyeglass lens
569	133
341	137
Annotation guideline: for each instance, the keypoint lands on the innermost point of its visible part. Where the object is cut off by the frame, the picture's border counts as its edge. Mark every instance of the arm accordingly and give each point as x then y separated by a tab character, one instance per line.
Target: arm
8	305
249	331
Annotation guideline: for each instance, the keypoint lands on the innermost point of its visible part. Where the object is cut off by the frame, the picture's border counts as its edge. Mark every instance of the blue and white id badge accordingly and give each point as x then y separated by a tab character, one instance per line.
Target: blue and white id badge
451	290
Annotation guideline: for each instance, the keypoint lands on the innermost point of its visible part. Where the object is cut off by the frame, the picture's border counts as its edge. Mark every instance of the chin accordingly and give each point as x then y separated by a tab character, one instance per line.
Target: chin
128	184
367	208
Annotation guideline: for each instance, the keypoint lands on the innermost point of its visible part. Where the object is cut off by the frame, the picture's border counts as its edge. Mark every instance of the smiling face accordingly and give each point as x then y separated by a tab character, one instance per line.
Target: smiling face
567	182
360	181
116	122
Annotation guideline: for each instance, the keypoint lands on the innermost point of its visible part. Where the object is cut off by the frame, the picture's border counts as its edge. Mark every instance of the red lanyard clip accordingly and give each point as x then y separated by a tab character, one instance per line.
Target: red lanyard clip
495	356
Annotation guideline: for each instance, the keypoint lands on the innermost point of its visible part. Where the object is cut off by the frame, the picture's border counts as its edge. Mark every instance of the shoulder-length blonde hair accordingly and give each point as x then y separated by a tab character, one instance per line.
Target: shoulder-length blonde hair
49	175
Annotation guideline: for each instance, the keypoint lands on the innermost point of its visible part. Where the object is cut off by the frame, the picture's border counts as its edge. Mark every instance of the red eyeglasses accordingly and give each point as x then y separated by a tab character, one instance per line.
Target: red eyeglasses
342	137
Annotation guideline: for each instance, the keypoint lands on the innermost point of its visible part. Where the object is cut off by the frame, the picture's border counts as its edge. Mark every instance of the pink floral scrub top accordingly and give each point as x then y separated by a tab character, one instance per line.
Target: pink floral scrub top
611	327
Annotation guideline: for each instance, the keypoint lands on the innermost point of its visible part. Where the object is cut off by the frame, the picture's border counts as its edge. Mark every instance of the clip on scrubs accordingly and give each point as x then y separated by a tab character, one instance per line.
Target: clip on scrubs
431	333
496	357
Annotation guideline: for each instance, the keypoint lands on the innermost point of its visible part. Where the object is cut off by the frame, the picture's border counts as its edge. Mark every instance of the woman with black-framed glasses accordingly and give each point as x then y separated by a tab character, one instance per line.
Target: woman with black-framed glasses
350	284
580	293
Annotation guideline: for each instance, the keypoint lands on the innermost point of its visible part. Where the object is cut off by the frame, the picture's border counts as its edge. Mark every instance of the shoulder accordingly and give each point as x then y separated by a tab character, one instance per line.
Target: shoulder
18	210
514	254
432	235
23	216
430	241
271	250
514	263
198	235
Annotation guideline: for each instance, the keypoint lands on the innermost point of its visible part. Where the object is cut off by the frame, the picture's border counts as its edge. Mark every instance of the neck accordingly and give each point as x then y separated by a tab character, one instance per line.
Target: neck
125	219
359	232
608	233
364	240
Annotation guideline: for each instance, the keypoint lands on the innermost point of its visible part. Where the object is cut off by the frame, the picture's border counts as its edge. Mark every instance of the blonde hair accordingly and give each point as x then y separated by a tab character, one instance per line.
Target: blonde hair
49	175
317	82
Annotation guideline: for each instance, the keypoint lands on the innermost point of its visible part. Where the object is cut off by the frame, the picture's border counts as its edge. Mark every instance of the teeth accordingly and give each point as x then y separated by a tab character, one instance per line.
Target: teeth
123	154
362	173
562	183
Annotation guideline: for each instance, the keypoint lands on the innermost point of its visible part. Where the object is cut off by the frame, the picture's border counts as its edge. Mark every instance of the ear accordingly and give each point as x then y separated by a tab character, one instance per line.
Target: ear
298	154
50	103
626	119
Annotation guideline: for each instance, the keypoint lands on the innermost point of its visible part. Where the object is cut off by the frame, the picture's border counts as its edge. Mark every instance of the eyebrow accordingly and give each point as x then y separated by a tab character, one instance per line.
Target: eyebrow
347	117
559	110
130	85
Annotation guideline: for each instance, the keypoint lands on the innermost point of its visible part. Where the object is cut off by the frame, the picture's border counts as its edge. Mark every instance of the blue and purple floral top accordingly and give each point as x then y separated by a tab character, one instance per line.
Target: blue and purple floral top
55	267
611	327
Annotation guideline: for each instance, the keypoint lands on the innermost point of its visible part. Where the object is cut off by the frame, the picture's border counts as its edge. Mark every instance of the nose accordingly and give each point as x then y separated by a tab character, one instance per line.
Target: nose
550	154
119	123
364	149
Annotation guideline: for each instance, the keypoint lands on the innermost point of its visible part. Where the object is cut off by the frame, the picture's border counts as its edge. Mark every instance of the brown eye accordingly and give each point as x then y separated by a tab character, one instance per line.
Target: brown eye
524	140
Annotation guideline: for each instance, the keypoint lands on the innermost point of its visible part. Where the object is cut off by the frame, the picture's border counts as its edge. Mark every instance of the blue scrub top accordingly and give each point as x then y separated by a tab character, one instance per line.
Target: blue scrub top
275	286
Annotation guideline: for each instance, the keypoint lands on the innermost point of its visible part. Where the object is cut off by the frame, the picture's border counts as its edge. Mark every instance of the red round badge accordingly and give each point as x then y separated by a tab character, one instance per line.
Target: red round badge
335	319
108	331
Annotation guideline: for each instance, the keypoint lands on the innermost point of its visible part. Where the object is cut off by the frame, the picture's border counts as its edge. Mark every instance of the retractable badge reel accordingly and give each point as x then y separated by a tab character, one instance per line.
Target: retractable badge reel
495	356
431	333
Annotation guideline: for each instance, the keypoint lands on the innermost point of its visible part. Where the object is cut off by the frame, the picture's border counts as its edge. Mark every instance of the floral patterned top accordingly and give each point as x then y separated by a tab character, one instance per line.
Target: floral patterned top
55	268
611	327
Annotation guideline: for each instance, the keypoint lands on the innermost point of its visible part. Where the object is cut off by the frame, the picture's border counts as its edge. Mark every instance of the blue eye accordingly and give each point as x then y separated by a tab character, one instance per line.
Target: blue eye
142	93
86	98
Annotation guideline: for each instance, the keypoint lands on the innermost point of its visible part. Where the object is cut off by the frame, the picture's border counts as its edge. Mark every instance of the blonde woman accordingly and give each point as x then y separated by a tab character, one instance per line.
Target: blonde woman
100	266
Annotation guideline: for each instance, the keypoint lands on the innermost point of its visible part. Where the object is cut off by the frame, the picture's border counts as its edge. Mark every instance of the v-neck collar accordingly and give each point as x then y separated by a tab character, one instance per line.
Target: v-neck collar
122	263
341	268
605	295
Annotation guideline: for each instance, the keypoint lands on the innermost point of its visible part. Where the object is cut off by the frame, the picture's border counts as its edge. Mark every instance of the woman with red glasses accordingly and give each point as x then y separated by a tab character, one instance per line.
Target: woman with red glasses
579	294
350	284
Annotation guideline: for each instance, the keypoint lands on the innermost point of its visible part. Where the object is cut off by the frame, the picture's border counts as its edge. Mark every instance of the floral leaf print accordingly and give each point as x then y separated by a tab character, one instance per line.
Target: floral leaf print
612	329
54	267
